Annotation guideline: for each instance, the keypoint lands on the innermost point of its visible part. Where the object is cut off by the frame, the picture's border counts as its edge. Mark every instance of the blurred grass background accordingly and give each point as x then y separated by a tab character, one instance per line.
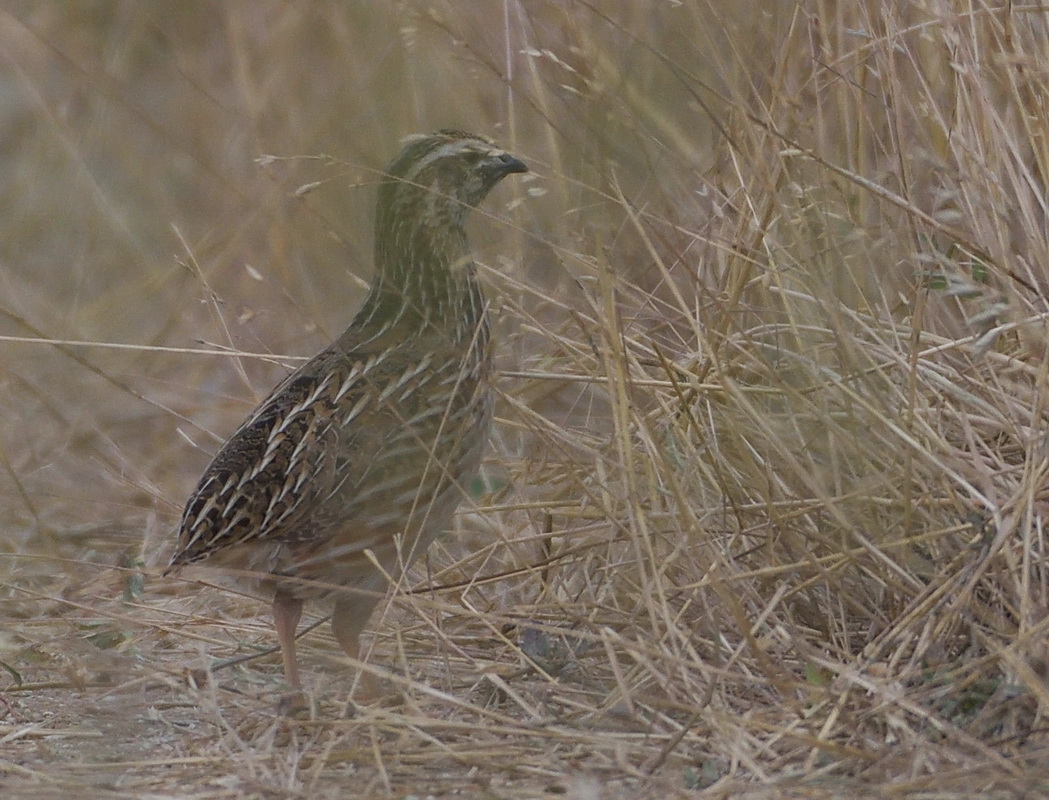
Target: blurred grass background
764	507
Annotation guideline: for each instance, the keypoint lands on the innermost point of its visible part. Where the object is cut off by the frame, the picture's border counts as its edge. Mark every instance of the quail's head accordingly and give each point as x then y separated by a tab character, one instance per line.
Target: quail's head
446	173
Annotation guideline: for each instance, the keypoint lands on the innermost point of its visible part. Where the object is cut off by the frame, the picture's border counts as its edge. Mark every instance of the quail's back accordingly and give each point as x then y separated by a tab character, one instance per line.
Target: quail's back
368	447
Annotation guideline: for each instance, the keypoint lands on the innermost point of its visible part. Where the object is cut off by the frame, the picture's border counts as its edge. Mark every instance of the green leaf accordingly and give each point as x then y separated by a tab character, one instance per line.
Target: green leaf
14	673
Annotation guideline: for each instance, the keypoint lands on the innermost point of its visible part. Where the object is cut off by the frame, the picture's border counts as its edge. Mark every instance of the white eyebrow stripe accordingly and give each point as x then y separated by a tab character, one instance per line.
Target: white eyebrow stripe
443	151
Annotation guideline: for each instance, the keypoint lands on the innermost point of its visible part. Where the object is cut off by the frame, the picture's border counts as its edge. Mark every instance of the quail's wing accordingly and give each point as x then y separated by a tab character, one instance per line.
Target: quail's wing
269	474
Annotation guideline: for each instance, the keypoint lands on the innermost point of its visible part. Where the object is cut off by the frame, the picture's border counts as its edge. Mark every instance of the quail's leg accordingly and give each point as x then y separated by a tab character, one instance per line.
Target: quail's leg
347	621
287	609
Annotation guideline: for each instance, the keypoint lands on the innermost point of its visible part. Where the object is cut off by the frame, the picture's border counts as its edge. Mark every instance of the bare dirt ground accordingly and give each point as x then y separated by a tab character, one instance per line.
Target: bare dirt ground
112	708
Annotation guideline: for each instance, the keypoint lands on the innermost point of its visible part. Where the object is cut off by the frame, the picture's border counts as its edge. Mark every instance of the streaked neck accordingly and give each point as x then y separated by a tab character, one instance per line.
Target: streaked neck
425	284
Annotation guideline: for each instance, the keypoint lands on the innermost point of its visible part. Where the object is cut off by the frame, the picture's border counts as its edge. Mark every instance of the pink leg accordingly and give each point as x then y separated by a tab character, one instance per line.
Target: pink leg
287	610
350	617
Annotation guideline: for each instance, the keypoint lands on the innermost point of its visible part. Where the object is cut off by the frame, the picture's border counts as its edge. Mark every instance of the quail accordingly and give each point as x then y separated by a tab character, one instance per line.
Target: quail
356	461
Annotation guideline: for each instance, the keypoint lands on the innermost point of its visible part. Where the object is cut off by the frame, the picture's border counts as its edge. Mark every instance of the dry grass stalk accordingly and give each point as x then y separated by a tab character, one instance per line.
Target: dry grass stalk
764	512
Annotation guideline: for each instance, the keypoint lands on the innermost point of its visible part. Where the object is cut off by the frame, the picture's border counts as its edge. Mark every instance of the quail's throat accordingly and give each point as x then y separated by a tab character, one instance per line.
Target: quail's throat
425	284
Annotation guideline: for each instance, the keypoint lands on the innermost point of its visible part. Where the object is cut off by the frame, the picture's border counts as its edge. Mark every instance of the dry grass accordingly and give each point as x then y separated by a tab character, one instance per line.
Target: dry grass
764	511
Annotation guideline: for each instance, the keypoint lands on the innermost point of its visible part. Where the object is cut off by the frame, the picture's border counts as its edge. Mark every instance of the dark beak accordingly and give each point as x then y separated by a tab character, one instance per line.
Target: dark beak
504	164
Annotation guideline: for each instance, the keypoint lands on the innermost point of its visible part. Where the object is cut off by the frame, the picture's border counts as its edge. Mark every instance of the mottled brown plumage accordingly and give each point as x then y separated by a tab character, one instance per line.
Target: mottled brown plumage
367	446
